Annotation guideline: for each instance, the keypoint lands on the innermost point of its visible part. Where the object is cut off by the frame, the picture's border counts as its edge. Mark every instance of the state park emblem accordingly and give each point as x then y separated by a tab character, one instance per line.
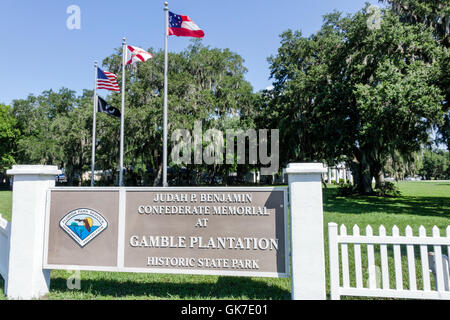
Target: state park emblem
83	225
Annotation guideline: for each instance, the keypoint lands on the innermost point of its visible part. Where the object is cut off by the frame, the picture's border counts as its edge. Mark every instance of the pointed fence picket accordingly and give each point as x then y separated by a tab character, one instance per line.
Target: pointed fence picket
397	260
424	260
384	260
344	257
371	260
411	261
397	251
358	267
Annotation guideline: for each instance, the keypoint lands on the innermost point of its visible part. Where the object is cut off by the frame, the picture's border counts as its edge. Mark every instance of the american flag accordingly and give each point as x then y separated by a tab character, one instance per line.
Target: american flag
107	80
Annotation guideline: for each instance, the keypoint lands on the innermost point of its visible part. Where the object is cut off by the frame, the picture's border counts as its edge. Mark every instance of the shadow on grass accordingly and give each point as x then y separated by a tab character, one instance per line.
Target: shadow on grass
442	183
224	288
422	206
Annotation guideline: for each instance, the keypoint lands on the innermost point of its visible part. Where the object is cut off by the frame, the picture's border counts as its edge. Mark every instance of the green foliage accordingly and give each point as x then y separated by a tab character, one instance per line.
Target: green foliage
399	166
56	129
356	94
436	16
388	189
8	137
435	165
346	189
205	84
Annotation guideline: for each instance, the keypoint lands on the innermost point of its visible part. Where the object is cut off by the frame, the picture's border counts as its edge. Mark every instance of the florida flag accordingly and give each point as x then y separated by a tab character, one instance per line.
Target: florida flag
138	55
183	26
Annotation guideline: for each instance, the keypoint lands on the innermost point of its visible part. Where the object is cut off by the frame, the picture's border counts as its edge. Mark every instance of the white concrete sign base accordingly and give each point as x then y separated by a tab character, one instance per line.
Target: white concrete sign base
26	278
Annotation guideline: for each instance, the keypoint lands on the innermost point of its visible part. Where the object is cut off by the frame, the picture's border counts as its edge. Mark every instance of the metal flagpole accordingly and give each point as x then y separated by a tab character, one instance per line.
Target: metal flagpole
94	116
122	116
166	37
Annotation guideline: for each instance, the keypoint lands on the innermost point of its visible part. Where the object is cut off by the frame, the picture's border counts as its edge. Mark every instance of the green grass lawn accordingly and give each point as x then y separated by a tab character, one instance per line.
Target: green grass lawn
424	203
5	204
421	203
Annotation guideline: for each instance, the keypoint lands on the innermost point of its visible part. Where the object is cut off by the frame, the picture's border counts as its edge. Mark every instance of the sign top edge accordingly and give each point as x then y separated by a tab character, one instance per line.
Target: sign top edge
267	188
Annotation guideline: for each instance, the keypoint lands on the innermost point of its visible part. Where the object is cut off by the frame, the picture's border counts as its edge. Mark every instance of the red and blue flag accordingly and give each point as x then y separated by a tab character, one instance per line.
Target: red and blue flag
183	26
107	80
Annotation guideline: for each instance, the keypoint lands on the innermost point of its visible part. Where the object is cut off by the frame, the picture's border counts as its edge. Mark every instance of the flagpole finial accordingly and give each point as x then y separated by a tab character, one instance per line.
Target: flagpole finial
95	62
166	5
123	40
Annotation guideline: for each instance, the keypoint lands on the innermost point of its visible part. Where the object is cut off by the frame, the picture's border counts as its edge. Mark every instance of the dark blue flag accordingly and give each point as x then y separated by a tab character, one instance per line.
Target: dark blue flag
103	106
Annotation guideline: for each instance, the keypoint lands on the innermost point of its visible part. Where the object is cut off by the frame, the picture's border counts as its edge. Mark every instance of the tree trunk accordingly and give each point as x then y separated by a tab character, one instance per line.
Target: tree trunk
378	174
226	178
379	179
158	176
366	179
362	177
69	172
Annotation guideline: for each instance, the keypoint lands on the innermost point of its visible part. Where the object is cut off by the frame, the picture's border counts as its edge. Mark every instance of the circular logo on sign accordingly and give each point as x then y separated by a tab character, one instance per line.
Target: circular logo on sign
83	225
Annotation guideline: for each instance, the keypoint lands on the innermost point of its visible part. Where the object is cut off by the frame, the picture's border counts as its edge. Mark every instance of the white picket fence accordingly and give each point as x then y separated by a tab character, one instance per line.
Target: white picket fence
376	282
5	231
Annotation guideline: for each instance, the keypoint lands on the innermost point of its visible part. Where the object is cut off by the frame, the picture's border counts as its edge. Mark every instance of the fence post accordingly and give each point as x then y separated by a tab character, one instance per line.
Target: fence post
334	260
26	278
307	238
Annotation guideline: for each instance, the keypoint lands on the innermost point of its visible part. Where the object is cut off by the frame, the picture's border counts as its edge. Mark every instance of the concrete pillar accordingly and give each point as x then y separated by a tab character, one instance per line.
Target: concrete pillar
307	238
26	278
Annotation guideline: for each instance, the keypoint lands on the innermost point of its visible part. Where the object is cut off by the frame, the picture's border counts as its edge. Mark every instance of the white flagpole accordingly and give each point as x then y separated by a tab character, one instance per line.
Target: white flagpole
166	37
122	116
94	115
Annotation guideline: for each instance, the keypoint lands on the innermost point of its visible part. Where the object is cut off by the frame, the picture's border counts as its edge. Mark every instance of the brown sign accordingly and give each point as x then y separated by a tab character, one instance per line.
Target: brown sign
223	231
64	247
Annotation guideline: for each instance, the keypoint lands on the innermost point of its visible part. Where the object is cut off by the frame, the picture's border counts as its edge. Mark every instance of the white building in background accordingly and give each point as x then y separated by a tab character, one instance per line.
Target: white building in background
98	175
334	174
339	172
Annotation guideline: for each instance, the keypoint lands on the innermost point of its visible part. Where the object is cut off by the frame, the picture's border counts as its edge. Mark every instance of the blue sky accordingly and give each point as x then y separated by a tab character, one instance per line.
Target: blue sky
39	52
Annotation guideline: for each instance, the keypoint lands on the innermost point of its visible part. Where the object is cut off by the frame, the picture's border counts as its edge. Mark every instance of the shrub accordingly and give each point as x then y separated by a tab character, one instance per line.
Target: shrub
388	189
346	189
